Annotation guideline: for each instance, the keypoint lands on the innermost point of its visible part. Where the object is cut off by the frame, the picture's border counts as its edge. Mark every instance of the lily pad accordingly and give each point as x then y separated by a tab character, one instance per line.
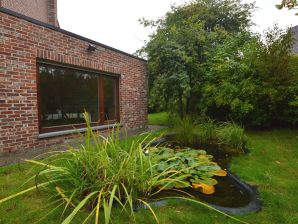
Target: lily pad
192	167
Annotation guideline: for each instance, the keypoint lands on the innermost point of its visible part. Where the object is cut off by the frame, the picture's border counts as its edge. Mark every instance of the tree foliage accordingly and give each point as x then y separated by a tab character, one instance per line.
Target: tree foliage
203	60
289	4
250	80
183	41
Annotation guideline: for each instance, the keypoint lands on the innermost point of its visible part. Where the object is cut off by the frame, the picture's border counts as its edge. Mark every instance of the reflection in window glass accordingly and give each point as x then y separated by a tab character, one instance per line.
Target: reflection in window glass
65	94
110	98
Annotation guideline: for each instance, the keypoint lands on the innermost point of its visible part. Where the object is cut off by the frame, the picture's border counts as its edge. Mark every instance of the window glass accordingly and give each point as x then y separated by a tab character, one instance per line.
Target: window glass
65	94
110	98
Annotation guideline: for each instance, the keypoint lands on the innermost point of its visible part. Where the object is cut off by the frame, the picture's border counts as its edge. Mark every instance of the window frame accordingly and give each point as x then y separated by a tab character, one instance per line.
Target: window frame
101	97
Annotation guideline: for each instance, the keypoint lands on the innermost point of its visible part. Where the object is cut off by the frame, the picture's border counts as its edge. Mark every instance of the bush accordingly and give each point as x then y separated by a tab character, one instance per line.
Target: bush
289	112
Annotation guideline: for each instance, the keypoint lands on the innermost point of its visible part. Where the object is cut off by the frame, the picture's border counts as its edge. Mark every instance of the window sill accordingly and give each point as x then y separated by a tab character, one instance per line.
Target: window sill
73	131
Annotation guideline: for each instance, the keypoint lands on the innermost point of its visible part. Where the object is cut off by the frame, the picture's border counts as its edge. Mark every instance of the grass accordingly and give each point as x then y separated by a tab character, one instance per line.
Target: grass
271	166
161	118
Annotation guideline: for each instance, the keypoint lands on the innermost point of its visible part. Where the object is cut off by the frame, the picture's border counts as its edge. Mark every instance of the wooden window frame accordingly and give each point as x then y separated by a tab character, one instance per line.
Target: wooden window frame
101	97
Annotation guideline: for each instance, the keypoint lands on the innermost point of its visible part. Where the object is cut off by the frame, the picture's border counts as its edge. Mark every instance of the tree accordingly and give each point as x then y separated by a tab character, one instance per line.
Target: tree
181	46
202	60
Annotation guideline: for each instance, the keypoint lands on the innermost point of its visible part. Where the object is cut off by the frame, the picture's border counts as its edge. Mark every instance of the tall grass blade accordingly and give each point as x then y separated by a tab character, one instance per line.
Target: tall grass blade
77	209
98	206
151	210
108	207
25	191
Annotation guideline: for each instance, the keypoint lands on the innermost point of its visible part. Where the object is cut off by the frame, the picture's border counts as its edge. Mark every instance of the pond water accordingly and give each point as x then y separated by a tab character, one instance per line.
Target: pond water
228	192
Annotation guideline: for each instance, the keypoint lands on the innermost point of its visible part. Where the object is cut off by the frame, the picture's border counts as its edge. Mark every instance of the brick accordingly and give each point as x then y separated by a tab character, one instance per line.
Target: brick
18	93
43	10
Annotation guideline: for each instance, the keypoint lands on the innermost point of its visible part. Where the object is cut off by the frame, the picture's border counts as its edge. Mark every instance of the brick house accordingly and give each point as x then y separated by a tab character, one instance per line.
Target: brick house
49	76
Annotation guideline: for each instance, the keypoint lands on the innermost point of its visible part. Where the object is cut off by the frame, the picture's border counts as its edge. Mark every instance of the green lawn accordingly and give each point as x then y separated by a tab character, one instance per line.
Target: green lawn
161	118
271	166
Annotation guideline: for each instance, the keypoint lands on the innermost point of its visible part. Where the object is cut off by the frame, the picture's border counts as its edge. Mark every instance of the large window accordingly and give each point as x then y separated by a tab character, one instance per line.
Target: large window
65	93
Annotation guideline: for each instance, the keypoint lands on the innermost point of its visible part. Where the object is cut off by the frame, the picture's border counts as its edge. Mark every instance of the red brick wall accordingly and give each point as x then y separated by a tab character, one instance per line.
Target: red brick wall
21	43
42	10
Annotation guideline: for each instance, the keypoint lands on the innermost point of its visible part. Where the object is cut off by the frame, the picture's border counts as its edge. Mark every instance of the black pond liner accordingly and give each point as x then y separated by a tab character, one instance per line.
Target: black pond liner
247	200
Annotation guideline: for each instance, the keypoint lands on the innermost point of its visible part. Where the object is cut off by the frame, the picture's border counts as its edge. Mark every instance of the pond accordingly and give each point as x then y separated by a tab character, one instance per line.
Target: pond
231	194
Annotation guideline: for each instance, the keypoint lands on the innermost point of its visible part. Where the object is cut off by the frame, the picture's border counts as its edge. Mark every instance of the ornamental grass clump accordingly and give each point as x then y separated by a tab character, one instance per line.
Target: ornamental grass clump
184	130
206	130
97	175
232	135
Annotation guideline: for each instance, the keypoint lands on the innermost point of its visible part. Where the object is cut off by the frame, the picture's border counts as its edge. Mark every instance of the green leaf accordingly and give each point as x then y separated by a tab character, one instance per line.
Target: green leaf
77	209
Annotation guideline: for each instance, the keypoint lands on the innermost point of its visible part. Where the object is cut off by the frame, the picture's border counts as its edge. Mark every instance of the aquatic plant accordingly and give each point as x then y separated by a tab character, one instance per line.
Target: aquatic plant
189	131
184	130
232	136
195	167
206	130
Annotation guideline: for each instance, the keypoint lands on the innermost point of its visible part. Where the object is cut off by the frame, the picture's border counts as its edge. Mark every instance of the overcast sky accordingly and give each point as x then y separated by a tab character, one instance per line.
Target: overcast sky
115	22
